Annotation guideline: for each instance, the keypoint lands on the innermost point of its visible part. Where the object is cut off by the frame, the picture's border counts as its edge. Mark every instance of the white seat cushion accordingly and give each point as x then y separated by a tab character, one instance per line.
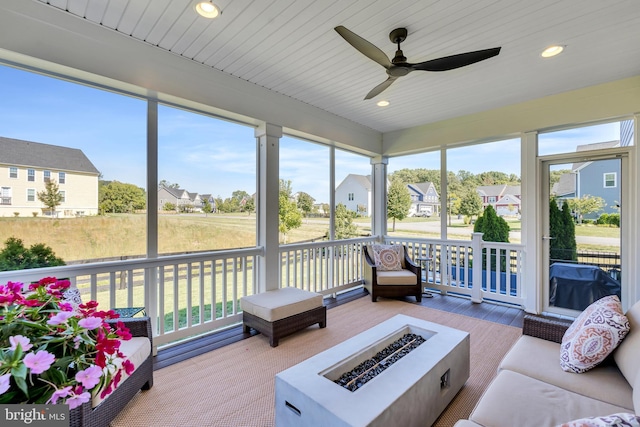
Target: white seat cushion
508	402
401	277
137	349
538	358
280	303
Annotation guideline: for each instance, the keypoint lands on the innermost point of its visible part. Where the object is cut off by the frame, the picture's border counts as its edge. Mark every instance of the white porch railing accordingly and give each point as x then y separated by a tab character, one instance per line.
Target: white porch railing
450	266
323	267
190	294
186	295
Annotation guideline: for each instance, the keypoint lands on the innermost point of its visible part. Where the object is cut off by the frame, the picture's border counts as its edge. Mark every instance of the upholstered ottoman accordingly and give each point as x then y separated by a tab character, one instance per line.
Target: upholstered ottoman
282	312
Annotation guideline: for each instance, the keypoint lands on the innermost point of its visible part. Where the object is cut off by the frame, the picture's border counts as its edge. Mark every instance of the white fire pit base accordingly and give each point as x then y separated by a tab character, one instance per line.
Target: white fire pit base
412	392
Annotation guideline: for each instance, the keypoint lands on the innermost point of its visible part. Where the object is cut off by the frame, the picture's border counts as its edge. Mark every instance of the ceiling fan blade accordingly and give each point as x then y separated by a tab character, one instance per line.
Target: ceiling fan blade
456	61
382	86
364	47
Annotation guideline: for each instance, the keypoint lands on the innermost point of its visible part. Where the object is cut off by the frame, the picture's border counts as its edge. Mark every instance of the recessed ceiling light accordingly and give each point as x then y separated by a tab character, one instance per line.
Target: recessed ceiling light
382	103
207	9
552	51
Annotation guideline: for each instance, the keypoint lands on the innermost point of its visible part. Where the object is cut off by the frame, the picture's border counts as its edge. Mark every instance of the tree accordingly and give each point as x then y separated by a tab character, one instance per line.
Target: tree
15	256
586	205
471	204
494	229
167	184
562	245
569	233
249	206
398	201
169	207
289	215
305	203
240	195
207	208
119	197
344	226
50	196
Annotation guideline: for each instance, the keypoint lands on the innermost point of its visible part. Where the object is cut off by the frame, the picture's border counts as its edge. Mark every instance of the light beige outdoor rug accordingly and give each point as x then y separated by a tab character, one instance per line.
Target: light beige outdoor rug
234	386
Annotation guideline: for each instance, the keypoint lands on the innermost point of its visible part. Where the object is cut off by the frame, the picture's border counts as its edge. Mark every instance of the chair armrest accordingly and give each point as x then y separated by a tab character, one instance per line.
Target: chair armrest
368	259
547	328
411	266
138	326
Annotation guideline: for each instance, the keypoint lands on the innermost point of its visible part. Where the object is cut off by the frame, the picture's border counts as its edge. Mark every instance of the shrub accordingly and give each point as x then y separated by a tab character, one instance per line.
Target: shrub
15	256
609	219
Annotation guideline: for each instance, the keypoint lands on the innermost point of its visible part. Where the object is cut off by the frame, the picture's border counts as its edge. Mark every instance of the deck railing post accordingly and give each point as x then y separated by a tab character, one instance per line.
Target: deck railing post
476	249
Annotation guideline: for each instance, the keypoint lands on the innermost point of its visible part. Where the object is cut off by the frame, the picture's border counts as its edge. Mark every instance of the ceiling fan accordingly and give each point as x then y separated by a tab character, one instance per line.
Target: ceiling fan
398	66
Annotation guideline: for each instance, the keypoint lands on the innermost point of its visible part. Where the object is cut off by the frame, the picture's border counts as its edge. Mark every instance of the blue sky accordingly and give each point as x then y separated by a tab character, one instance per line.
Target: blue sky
207	155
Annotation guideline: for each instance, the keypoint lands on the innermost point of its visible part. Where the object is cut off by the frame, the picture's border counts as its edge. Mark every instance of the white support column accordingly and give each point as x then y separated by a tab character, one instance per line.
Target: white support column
629	224
531	223
151	273
379	189
444	195
268	185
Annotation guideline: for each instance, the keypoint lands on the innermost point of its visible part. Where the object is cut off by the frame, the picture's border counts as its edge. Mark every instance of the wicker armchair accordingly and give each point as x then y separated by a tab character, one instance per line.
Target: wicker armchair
393	284
141	378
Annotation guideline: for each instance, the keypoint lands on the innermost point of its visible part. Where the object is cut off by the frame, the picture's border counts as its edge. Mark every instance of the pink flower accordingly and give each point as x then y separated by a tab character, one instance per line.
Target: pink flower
65	306
78	399
59	394
39	362
60	317
90	322
24	342
4	383
10	293
90	377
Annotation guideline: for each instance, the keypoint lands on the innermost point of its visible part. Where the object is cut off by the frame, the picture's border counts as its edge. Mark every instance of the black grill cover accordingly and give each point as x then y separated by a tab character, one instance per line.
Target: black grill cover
576	286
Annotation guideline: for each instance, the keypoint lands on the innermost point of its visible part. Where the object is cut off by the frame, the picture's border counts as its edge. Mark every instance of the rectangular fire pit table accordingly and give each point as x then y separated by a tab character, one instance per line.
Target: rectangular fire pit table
412	392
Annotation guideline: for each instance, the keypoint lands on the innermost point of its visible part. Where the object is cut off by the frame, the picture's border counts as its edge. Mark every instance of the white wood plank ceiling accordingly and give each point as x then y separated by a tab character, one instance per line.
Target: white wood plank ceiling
290	47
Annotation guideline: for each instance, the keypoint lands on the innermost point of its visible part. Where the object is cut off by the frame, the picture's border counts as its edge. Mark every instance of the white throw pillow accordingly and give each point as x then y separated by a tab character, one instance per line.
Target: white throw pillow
593	335
73	296
620	419
387	257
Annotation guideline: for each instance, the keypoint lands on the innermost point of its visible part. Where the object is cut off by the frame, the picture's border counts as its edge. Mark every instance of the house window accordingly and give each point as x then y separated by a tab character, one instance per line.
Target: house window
63	196
47	176
61	177
13	172
5	195
351	196
610	180
31	175
491	199
31	195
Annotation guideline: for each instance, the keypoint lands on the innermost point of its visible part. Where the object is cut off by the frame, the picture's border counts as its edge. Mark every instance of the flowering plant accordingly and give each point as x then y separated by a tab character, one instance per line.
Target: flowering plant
54	352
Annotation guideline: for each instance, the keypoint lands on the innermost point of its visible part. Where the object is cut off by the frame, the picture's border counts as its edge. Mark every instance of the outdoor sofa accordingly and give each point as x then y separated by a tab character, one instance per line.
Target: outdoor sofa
531	389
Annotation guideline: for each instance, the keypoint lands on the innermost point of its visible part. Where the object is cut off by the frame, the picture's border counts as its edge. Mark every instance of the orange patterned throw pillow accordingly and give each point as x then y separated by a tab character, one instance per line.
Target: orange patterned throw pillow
387	257
593	335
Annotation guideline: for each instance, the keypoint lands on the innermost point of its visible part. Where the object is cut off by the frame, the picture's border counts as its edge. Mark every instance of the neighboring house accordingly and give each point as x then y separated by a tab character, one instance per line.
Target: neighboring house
26	166
600	178
505	199
178	197
355	193
183	200
425	200
196	202
211	199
